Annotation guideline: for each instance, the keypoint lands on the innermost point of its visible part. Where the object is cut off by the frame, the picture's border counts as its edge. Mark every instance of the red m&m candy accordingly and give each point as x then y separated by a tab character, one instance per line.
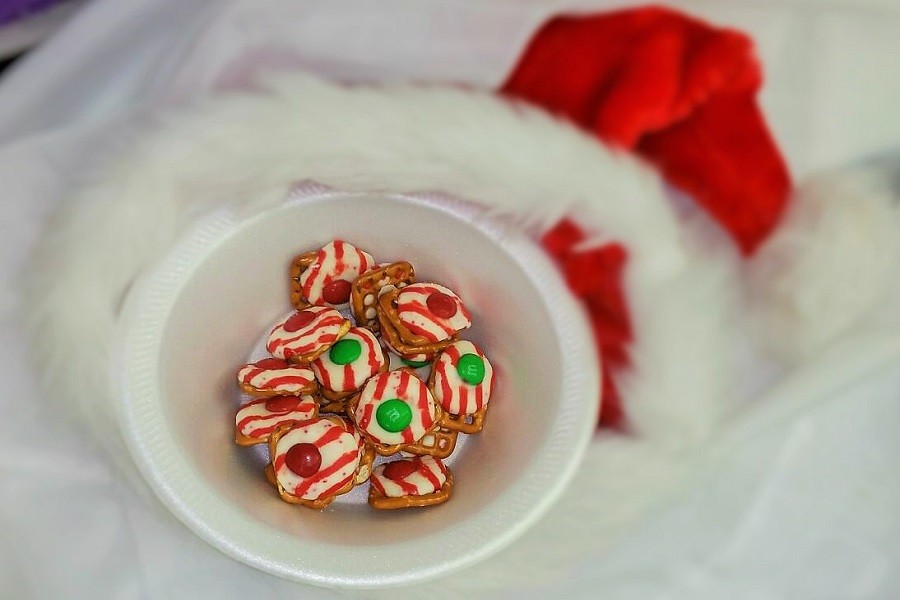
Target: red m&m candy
271	363
396	471
299	320
282	404
441	305
336	292
303	459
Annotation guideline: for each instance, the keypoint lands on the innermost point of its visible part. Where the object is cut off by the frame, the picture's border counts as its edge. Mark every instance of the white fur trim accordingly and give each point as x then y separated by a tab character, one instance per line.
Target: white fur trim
246	150
830	265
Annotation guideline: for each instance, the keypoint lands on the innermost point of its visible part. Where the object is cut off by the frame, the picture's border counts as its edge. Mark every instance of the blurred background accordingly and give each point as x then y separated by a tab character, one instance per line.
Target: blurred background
26	23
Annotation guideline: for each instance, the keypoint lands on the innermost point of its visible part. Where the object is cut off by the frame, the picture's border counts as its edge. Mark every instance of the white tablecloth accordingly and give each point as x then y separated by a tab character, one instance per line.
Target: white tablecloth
786	507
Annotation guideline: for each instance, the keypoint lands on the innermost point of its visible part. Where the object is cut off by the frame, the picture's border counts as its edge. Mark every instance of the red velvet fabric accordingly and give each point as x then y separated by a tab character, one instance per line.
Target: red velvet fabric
680	93
595	277
676	90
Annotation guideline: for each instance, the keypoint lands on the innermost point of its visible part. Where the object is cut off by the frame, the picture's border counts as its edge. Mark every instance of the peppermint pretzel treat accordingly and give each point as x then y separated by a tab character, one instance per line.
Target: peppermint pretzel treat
394	410
327	403
256	420
387	323
431	311
462	381
368	287
410	482
314	461
276	377
325	277
349	363
422	318
307	333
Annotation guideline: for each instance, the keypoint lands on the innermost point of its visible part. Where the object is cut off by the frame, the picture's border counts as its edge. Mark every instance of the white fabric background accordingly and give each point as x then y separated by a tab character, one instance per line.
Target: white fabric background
798	502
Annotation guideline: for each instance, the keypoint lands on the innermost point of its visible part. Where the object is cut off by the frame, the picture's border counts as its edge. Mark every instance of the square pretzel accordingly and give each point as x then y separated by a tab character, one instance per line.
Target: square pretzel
439	443
368	286
298	265
469	423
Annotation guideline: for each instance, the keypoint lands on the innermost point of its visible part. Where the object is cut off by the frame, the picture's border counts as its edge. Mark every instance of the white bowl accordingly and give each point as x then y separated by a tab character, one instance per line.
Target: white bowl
197	317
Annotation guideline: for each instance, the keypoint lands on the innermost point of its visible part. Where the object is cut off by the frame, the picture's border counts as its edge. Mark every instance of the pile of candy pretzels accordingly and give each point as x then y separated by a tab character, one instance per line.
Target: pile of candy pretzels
327	402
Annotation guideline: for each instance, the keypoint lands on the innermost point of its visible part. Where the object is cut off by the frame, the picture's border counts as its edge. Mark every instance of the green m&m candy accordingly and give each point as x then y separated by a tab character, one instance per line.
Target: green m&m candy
470	368
393	415
345	352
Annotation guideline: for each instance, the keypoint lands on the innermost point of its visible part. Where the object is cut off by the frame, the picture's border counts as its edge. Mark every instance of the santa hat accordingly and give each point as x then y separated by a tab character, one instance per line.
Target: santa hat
681	94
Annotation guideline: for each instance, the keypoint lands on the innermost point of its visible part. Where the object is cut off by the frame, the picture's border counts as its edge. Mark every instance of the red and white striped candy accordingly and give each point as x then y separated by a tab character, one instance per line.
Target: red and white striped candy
403	385
340	458
363	474
423	475
336	261
455	395
276	375
257	419
352	376
414	312
297	335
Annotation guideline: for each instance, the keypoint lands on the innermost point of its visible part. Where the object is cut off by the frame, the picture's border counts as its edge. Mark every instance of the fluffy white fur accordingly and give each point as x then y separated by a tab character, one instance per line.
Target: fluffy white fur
245	150
830	266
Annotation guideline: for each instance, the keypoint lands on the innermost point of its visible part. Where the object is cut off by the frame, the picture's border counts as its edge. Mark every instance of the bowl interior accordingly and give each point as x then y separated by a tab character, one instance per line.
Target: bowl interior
225	291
